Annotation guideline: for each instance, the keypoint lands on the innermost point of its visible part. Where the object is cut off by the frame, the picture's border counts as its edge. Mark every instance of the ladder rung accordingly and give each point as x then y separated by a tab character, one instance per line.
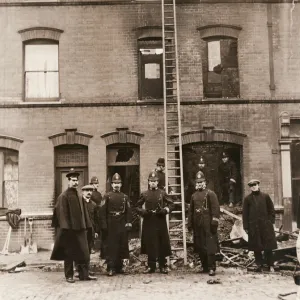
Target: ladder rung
175	184
175	194
171	120
175	229
173	159
174	168
169	24
171	112
175	151
172	127
176	212
175	221
174	176
177	202
175	239
176	249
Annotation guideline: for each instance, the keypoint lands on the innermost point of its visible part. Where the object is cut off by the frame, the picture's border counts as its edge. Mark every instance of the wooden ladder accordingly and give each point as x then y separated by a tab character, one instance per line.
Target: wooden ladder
172	127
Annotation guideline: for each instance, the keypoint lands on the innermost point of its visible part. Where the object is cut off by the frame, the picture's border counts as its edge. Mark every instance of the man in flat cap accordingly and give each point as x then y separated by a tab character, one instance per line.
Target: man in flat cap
258	220
72	221
116	217
155	240
228	178
97	199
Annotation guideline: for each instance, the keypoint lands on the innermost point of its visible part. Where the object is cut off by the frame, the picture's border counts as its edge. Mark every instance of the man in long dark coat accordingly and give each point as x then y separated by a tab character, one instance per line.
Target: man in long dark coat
71	219
203	220
258	220
155	240
228	179
116	217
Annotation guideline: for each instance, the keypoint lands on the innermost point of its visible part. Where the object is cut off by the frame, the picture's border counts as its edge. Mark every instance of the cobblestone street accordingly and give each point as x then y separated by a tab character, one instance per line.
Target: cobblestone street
235	285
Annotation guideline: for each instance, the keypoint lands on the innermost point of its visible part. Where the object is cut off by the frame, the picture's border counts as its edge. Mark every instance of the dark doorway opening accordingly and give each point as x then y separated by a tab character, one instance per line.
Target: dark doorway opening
211	152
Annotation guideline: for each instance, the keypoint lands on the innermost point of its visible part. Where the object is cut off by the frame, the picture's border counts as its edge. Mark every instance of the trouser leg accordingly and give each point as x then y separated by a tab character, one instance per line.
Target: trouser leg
204	260
211	262
83	269
152	262
232	193
258	258
68	268
268	254
162	262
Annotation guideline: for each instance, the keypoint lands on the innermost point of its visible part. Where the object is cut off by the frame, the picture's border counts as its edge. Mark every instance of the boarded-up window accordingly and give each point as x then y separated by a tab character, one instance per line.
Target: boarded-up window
41	70
220	68
10	177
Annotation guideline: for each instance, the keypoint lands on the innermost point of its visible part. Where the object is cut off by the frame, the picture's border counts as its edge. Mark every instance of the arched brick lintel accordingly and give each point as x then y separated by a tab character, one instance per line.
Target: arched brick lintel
10	142
219	30
215	135
122	136
69	137
40	33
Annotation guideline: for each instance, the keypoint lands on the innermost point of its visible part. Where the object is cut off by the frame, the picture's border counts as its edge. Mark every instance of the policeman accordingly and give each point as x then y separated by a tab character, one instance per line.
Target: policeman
160	170
203	220
228	177
116	216
155	241
96	196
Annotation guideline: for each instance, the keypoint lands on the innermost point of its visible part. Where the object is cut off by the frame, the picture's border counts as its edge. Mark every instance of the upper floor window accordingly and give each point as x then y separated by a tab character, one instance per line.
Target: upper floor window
41	72
220	69
150	69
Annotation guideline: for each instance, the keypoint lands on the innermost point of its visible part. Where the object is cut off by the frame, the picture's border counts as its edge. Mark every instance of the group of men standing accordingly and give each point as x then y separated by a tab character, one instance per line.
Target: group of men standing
78	220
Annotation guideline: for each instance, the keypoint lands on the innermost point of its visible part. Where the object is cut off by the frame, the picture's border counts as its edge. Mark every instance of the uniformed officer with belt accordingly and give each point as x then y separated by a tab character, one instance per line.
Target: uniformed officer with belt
116	216
203	220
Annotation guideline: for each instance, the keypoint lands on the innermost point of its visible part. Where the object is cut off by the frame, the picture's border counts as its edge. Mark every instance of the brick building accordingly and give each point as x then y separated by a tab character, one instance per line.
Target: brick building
81	86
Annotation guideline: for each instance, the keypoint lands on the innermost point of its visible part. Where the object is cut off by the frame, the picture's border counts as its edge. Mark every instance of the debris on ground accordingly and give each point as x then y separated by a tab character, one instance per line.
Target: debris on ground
214	281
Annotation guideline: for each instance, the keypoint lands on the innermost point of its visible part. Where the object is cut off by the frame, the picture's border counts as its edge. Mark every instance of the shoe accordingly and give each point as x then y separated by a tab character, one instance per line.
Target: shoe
230	204
91	273
271	269
70	280
111	273
76	275
149	271
164	270
202	271
256	269
91	278
211	273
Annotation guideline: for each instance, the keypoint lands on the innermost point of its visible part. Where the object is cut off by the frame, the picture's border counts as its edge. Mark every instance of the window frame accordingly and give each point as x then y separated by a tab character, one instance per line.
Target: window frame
205	52
39	41
148	43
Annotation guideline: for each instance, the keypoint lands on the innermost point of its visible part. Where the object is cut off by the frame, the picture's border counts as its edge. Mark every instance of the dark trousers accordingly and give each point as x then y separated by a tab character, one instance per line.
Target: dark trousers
208	261
228	193
82	266
152	262
268	258
114	265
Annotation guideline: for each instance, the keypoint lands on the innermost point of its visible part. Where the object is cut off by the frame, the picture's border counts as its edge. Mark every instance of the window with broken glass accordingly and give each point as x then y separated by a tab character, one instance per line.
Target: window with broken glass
220	68
41	73
150	69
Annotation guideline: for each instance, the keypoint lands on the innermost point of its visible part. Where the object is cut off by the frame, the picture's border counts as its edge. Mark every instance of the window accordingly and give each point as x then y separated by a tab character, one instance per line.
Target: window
9	177
41	70
151	69
220	68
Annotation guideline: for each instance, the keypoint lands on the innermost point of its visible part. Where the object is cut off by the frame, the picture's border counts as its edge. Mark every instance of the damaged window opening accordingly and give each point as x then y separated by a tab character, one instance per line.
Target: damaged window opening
220	68
41	70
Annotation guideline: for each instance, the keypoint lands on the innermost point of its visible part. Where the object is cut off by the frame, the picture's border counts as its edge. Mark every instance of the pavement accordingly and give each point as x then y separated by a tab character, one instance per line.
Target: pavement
37	282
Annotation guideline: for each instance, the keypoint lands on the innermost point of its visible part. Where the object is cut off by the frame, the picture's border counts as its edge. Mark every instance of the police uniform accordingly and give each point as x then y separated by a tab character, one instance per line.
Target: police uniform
203	219
155	241
116	217
228	179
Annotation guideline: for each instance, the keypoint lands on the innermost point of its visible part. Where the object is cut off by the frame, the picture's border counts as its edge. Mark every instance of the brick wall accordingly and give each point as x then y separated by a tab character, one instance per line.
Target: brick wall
98	49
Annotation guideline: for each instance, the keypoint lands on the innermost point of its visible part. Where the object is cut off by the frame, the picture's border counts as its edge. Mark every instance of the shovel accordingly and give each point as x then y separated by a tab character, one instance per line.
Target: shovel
32	245
25	247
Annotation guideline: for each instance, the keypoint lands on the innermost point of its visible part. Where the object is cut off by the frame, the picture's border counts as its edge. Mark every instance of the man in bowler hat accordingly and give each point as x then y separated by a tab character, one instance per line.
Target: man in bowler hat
72	221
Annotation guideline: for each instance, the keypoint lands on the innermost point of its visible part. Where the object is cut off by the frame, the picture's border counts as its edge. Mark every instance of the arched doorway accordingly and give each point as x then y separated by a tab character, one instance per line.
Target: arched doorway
211	152
66	157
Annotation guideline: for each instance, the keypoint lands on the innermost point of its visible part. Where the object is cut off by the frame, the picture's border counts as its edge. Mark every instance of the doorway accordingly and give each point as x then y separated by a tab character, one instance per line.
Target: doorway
66	157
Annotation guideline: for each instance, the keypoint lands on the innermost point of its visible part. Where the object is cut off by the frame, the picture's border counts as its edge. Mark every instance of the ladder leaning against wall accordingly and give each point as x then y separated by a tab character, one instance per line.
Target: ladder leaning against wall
172	127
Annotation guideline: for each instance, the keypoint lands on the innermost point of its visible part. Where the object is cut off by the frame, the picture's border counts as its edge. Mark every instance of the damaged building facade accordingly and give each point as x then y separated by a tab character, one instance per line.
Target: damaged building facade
81	85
